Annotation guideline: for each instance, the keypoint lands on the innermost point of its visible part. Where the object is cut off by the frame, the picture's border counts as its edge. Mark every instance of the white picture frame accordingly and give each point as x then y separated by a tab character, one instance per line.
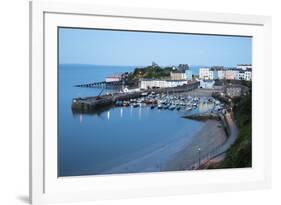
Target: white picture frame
46	187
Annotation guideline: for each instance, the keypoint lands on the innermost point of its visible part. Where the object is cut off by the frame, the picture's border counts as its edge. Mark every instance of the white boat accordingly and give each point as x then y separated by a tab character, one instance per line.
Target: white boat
172	107
189	108
160	106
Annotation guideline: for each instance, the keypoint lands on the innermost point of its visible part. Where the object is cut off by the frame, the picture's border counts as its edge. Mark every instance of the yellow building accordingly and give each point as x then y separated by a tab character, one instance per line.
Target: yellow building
177	75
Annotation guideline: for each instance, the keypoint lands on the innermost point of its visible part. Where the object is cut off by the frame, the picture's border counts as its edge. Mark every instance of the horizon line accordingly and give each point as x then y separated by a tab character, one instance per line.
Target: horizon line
207	66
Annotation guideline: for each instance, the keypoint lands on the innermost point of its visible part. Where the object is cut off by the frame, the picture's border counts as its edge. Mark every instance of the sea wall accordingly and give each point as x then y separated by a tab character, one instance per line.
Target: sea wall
212	116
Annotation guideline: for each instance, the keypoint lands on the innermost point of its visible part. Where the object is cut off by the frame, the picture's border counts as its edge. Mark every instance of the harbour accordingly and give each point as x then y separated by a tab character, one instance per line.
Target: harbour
90	103
190	109
132	122
134	102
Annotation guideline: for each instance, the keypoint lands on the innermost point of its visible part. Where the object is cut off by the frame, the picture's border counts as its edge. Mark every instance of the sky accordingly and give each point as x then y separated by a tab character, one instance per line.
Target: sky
107	47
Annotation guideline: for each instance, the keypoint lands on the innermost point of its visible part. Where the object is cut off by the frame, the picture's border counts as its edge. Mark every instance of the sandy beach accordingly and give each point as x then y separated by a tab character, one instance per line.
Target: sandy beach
210	136
176	155
156	157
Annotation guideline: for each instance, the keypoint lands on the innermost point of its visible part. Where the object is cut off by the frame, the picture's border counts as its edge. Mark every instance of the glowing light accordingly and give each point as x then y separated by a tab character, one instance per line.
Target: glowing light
108	115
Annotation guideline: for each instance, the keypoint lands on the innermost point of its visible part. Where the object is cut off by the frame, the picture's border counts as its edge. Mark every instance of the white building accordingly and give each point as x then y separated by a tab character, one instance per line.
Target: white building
206	74
248	75
188	74
236	74
244	66
221	74
151	83
207	84
245	75
241	75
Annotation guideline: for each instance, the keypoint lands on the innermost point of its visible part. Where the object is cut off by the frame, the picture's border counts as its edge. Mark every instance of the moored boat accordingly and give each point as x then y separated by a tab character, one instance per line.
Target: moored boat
172	107
160	106
152	106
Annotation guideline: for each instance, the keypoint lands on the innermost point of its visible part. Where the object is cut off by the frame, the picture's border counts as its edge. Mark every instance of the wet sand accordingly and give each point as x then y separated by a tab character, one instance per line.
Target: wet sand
210	136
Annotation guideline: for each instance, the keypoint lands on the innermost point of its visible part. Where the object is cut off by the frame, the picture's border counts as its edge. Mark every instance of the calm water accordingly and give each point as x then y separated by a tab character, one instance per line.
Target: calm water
93	144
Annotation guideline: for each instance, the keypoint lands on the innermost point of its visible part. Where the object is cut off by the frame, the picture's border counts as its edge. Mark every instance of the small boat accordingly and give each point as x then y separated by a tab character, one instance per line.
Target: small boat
172	107
136	104
189	108
144	94
118	103
160	106
217	102
125	104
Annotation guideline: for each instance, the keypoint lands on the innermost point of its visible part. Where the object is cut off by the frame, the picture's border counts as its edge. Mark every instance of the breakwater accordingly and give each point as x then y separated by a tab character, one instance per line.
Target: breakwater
203	117
212	116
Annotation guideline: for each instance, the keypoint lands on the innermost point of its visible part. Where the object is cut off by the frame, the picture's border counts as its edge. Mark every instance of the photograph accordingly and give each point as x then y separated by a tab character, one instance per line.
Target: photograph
147	101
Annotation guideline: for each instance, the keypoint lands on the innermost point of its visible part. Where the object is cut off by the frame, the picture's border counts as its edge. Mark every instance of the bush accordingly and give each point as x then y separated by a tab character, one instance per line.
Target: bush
240	153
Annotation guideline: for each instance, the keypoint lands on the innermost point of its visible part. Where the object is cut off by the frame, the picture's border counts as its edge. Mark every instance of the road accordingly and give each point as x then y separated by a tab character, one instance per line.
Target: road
220	149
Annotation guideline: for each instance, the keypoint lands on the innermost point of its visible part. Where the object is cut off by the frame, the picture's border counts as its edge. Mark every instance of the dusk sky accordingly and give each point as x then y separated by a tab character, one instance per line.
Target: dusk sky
105	47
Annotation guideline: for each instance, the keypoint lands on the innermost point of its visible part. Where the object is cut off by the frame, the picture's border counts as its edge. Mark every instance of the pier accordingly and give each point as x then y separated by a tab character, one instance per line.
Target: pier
102	84
90	104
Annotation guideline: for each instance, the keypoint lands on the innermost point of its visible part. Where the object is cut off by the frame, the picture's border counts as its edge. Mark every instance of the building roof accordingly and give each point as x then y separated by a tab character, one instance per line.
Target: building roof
208	81
244	64
217	68
150	79
177	71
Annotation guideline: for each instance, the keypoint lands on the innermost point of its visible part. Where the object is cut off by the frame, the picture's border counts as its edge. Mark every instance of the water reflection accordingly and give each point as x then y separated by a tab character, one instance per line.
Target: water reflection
91	148
108	115
81	118
99	111
121	112
139	113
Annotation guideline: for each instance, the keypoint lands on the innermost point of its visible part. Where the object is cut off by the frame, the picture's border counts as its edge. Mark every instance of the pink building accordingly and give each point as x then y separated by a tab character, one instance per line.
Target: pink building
114	78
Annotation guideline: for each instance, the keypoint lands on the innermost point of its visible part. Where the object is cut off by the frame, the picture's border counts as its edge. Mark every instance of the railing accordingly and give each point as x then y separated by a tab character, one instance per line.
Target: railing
204	158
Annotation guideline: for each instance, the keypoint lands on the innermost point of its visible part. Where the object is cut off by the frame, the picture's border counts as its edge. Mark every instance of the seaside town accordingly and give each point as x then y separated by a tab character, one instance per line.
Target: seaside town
135	102
224	92
183	75
163	81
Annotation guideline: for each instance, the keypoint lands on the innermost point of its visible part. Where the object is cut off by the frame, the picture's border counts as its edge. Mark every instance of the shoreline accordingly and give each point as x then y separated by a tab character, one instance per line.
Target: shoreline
176	155
210	136
157	157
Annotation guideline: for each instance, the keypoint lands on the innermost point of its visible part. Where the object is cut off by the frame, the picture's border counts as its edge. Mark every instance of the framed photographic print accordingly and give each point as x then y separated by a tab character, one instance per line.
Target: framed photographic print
129	102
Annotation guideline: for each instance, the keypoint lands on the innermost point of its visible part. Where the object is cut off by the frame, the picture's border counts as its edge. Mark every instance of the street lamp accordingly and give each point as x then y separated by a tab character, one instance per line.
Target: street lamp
199	153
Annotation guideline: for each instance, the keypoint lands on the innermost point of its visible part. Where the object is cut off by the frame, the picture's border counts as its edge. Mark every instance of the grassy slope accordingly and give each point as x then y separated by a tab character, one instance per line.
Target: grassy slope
240	154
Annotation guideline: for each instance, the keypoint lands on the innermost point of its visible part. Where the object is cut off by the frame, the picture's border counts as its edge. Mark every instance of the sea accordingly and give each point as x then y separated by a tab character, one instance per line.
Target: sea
91	144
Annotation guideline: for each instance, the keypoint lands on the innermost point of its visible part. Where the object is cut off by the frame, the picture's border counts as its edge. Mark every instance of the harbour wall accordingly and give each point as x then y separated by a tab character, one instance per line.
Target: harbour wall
88	104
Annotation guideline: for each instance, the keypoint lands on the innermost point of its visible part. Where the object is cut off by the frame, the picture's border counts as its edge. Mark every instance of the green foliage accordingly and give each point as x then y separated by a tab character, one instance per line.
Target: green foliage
246	83
243	110
240	154
155	72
